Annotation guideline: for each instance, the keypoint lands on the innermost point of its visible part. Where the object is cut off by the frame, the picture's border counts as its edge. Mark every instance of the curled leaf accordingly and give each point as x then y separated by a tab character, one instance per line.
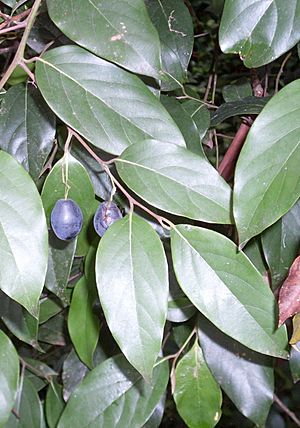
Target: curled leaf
289	295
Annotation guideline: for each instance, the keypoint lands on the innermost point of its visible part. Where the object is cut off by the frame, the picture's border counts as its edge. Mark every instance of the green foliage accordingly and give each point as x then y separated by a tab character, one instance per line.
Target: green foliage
132	102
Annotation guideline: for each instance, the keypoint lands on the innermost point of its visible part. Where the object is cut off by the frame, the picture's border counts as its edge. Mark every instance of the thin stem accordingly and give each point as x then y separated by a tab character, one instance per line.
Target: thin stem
21	49
286	410
28	71
14	28
65	165
287	57
217	148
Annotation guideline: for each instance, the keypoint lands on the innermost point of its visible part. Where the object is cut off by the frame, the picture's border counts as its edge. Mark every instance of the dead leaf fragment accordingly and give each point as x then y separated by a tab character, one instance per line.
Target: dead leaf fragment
289	294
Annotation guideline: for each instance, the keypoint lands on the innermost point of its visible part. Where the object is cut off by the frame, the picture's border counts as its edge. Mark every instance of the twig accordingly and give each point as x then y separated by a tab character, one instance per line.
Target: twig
281	71
286	410
21	49
208	87
14	28
165	223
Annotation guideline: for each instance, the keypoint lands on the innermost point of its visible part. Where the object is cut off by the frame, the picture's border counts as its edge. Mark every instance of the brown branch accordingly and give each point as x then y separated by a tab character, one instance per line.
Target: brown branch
286	410
226	167
287	57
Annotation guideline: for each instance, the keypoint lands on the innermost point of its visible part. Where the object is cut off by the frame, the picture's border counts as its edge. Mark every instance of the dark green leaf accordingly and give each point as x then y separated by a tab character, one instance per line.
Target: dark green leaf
175	28
215	276
295	362
114	395
132	281
237	91
23	325
54	404
155	419
39	368
116	108
254	252
246	106
9	376
49	307
73	373
119	31
22	240
259	31
83	324
199	114
61	254
53	330
197	396
267	177
246	377
281	244
27	127
175	180
82	192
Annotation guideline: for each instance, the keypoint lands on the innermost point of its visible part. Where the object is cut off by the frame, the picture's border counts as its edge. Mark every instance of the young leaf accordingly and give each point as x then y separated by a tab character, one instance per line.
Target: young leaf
197	396
281	243
267	178
82	192
176	180
289	294
120	31
259	31
23	235
83	324
114	395
215	276
9	376
132	281
27	127
174	24
116	108
245	376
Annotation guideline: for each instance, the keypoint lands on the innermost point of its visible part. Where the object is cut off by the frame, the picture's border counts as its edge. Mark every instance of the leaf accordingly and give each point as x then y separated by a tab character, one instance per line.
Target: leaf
259	32
237	90
185	123
188	184
83	324
61	255
132	281
199	114
289	294
197	396
27	127
22	240
116	108
246	106
119	31
9	376
281	243
114	395
267	177
29	408
254	252
245	376
82	192
23	325
215	276
294	362
175	28
296	330
54	404
49	307
73	373
155	419
53	331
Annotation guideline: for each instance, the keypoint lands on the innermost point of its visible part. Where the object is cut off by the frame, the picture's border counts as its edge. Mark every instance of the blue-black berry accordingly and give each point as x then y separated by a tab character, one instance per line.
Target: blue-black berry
66	219
106	214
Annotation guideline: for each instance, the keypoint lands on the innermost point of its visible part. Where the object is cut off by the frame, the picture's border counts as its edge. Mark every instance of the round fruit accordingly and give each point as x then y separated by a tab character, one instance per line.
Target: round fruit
66	219
106	214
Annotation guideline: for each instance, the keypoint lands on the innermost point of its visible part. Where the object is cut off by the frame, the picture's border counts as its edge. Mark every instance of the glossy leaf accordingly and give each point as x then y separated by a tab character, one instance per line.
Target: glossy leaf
245	376
73	373
61	255
107	105
175	28
83	324
114	395
199	114
82	192
23	325
155	419
281	243
120	31
22	240
259	31
188	184
246	106
254	252
28	408
185	123
27	127
197	395
215	276
9	377
132	281
49	307
54	404
267	177
289	294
